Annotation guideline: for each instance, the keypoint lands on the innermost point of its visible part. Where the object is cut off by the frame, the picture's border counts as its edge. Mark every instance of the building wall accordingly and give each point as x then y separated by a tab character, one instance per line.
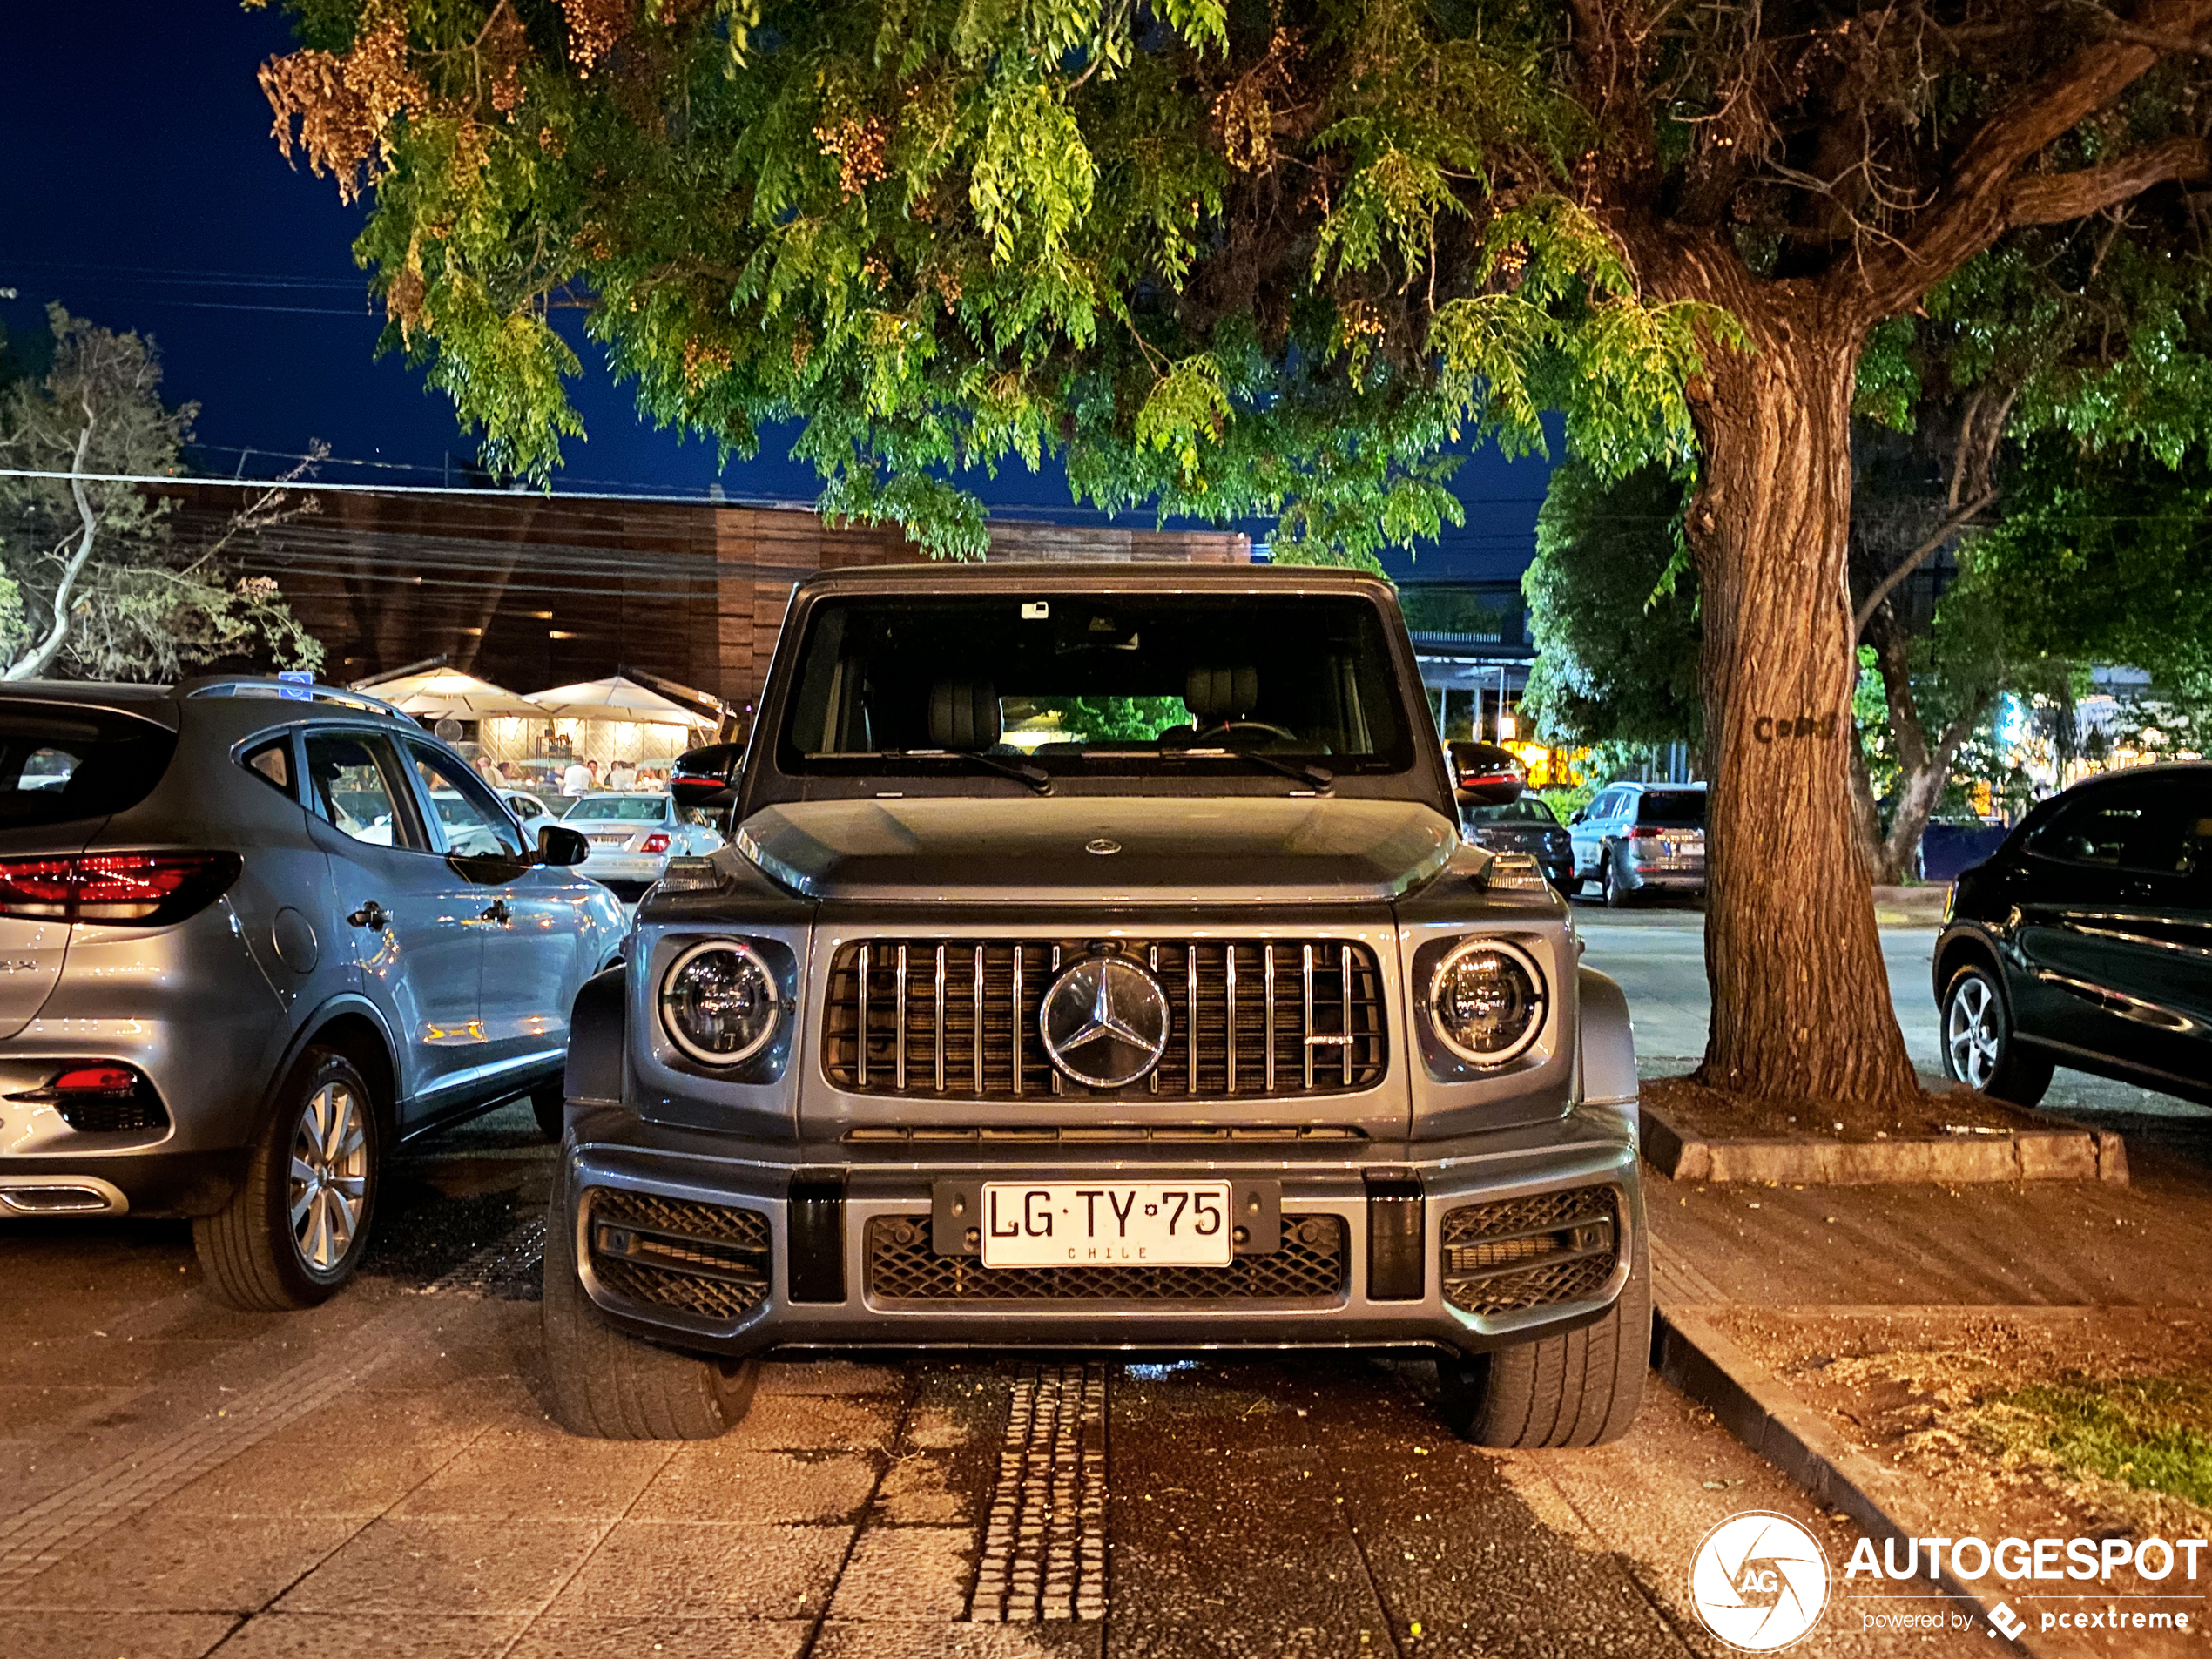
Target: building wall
530	592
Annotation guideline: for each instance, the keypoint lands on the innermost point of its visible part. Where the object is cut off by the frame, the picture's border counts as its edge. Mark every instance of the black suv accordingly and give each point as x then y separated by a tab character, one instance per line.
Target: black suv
2086	940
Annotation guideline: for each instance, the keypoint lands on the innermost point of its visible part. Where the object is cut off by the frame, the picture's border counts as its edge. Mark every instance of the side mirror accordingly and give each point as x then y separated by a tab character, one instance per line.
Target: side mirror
702	778
1487	774
1576	817
559	845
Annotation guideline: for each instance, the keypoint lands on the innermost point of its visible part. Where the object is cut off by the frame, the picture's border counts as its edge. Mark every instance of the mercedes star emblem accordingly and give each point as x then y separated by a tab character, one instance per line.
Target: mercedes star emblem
1104	1022
1103	845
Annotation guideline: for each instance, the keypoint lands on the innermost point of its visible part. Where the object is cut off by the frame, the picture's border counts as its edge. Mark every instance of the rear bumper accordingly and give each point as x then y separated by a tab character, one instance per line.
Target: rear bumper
151	1184
1381	1213
625	867
1637	879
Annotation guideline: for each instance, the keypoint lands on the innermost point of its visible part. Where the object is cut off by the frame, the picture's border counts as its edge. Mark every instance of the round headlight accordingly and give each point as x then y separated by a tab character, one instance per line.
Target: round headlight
719	1003
1485	1001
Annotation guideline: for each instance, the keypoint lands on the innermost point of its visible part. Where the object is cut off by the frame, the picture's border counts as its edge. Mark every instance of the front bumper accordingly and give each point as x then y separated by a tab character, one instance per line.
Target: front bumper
817	1217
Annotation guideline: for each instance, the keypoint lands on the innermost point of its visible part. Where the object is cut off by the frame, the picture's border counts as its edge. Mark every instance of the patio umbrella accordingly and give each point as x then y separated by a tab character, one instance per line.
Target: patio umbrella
447	693
616	699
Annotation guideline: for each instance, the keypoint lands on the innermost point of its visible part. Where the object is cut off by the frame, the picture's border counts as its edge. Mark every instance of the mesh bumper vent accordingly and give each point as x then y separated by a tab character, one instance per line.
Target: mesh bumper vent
1311	1266
705	1259
1531	1252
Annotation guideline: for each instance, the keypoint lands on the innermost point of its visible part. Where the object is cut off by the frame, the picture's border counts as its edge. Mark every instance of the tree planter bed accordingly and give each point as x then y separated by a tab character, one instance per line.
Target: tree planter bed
1964	1139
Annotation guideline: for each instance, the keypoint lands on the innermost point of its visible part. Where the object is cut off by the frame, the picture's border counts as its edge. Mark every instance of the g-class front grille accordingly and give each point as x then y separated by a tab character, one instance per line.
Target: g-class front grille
902	1267
1246	1018
1530	1252
707	1259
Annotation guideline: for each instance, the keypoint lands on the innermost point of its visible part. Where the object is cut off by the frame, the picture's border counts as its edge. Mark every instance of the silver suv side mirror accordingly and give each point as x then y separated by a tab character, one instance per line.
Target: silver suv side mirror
559	845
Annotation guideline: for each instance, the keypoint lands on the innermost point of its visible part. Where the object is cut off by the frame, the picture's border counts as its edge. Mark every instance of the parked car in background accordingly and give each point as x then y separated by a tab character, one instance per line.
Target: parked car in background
632	836
253	938
1640	838
2086	940
1525	826
530	811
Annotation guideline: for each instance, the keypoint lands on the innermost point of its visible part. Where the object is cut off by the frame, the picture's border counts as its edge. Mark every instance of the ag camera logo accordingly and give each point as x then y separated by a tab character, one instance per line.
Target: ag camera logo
1759	1581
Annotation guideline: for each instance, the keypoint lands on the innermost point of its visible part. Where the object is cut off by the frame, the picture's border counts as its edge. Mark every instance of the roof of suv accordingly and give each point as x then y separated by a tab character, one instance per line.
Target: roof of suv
164	703
1038	575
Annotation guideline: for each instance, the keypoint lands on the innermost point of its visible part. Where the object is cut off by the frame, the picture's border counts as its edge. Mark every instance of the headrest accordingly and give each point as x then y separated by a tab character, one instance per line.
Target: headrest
963	714
1221	693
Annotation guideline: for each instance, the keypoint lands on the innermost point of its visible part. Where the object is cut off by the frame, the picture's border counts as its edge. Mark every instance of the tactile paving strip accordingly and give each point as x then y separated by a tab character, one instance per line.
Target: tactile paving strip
34	1539
1044	1547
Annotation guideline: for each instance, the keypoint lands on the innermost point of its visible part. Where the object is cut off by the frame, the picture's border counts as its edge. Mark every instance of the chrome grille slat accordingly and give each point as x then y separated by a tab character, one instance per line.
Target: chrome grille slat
1237	1027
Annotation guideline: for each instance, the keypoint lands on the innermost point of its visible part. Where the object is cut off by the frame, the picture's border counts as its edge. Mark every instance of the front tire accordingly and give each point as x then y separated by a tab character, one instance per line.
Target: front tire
298	1226
1580	1389
609	1386
1979	1047
549	1105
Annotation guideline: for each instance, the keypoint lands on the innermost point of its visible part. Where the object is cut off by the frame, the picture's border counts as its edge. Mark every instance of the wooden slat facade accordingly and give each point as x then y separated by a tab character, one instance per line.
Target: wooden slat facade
530	592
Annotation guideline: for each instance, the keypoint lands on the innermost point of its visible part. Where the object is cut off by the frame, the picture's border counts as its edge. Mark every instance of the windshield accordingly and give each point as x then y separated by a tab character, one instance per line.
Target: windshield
1117	685
65	763
1685	807
1524	810
620	809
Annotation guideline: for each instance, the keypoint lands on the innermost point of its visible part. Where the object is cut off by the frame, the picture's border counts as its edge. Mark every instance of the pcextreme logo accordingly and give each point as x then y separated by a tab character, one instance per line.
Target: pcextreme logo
1759	1580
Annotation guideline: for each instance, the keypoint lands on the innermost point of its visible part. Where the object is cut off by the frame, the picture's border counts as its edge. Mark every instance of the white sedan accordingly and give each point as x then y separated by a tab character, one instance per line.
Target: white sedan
633	836
530	811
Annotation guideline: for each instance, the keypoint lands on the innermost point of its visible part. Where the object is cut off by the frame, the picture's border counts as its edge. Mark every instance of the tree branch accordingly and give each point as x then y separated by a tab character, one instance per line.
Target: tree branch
1976	206
1952	523
36	660
2052	199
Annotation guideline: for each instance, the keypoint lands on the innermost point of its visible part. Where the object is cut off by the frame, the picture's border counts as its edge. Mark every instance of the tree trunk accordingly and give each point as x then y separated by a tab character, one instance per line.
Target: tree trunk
1800	1008
1924	767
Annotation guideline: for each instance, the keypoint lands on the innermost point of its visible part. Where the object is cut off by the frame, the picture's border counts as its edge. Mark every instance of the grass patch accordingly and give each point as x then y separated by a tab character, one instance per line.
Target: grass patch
2146	1433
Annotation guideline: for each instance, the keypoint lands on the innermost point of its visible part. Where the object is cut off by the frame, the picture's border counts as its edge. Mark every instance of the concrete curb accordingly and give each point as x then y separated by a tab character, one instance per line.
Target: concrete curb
2073	1152
1756	1407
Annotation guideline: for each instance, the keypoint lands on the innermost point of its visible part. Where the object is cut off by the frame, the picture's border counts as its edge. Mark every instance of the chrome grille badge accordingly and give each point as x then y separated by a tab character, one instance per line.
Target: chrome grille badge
1104	1022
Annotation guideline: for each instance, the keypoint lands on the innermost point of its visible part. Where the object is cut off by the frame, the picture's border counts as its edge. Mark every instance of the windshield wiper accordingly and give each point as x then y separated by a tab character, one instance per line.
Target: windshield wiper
1036	777
1304	771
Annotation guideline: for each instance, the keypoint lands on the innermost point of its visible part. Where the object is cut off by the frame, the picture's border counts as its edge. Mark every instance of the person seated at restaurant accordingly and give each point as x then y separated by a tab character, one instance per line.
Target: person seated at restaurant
621	775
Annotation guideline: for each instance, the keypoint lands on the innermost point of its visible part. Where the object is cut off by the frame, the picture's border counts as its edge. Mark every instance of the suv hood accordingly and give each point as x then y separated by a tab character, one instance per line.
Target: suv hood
1165	850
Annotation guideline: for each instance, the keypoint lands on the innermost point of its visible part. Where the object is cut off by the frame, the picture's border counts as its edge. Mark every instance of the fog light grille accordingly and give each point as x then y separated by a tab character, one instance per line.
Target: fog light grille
1531	1252
711	1260
903	1268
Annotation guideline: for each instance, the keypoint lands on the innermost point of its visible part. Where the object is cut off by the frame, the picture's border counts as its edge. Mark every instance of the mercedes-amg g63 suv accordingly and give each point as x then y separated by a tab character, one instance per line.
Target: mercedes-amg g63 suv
1096	963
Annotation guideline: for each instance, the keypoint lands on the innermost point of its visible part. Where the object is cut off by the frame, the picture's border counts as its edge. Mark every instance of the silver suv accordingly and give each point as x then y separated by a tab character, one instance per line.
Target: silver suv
1638	838
252	935
1098	961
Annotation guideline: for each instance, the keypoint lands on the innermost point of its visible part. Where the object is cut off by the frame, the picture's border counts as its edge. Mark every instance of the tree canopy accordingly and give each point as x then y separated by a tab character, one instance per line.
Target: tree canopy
1612	611
1224	261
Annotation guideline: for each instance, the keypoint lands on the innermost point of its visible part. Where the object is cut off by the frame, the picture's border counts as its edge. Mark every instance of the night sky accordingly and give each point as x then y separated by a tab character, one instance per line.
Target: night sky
138	185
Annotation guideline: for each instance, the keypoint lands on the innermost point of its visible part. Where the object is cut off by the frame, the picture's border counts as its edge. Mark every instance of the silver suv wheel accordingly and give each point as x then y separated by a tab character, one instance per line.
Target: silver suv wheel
329	1183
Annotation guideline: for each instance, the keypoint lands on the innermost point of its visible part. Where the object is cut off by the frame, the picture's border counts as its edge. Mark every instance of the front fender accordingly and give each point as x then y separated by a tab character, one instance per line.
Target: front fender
599	1032
1606	1053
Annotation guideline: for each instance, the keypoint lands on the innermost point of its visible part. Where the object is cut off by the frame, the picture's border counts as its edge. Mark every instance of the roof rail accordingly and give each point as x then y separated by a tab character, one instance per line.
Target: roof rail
290	690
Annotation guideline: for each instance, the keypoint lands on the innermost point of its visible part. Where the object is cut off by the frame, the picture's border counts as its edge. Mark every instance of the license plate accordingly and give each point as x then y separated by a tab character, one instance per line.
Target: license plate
1179	1223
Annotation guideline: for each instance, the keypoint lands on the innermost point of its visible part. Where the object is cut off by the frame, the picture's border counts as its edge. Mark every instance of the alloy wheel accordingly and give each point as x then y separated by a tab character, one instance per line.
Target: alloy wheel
1973	1031
329	1183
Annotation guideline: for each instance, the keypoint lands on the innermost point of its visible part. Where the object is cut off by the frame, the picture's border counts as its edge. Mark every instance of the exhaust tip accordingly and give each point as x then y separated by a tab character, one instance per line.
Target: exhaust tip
61	1195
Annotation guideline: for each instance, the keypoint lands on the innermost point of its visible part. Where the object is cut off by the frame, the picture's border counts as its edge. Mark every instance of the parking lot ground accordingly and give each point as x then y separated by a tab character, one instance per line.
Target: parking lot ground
379	1477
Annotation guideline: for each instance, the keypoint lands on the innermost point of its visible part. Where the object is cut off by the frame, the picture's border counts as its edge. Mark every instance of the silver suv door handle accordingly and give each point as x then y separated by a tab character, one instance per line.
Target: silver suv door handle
372	915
